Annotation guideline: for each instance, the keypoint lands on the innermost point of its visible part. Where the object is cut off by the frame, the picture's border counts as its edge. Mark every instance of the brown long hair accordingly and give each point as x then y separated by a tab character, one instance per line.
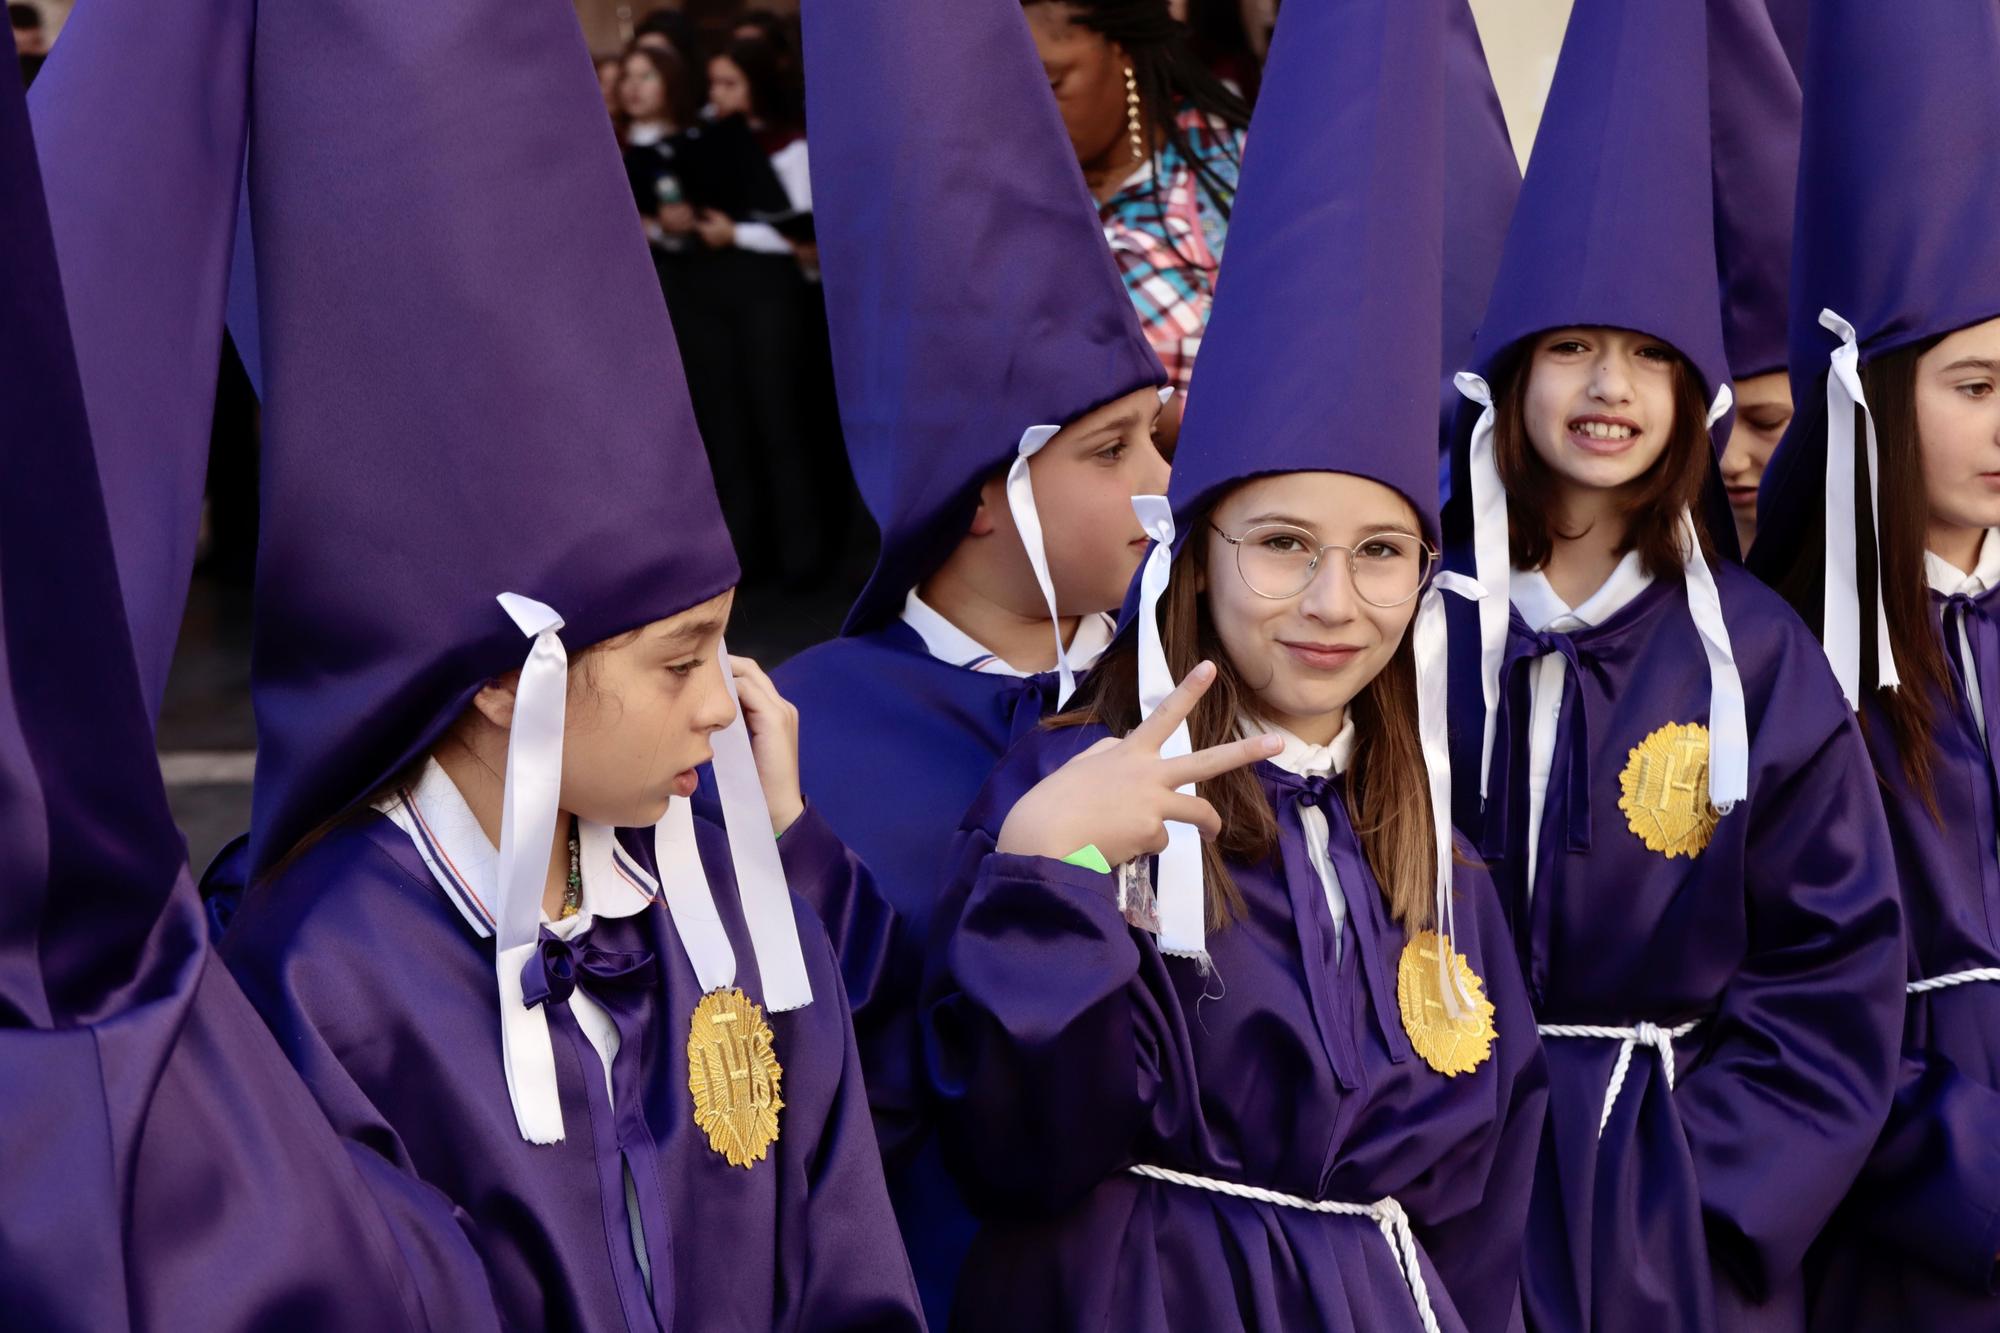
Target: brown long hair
1890	382
1653	512
1388	787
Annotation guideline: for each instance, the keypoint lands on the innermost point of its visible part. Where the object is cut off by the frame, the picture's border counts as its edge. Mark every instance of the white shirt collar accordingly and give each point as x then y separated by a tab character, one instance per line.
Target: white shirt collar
1541	606
646	135
948	643
1301	756
465	863
1947	579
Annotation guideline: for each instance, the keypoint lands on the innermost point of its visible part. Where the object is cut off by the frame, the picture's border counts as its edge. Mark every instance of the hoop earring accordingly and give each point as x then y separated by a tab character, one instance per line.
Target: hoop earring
1135	124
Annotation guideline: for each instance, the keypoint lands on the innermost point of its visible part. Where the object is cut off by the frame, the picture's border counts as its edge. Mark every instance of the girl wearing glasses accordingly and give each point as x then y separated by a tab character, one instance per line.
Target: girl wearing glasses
1224	1034
1671	793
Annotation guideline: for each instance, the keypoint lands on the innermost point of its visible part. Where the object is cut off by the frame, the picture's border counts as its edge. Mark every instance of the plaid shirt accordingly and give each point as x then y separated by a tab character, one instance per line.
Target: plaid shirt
1168	243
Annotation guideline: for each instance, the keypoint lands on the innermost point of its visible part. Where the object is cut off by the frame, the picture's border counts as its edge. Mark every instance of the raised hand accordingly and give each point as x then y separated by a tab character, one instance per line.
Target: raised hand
1119	795
774	741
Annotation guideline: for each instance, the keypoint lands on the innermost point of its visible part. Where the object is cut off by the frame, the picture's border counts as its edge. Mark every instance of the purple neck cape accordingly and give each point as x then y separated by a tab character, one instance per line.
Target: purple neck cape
969	289
452	410
1754	132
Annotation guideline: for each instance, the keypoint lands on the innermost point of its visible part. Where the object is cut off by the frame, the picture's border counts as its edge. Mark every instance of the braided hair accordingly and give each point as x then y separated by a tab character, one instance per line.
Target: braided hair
1168	74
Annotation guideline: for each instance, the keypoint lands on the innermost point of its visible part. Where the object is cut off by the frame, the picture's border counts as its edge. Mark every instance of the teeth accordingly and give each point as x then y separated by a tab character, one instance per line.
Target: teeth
1603	430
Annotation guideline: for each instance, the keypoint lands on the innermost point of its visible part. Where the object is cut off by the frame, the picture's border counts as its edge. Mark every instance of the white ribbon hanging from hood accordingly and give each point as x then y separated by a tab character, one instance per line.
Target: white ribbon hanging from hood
1181	892
1841	626
1430	642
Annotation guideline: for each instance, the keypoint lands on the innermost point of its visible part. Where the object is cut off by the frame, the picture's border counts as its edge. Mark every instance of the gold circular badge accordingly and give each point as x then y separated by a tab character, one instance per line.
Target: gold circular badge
1452	1046
734	1075
1665	785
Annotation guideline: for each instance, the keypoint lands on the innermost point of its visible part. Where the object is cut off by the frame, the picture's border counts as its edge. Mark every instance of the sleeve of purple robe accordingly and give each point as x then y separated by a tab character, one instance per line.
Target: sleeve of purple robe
1799	1063
1042	1027
858	1276
1932	1186
881	991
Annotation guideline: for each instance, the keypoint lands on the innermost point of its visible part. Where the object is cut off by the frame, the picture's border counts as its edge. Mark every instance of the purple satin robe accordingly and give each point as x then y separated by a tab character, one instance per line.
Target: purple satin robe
1914	1245
166	1169
1064	1048
893	746
383	997
1781	941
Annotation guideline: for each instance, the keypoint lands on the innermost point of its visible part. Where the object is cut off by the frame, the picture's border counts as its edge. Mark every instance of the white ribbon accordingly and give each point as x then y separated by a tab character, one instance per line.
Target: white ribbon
760	872
1728	726
1182	893
1491	563
690	901
1429	641
529	801
1028	522
1841	628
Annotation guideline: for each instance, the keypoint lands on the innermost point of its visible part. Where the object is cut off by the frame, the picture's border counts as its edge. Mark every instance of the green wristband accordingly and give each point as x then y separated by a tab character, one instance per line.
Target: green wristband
1089	858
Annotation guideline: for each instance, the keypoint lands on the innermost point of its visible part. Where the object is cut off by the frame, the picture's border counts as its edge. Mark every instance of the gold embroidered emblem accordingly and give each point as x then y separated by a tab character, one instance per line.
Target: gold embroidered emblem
734	1075
1452	1046
1665	786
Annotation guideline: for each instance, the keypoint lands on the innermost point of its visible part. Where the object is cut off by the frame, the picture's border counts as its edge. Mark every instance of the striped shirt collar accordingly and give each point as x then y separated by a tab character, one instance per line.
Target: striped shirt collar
948	643
465	863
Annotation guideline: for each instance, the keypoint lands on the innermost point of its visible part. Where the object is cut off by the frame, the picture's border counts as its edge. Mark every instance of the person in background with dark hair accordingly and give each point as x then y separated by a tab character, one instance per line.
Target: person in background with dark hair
665	30
1160	139
31	39
1220	40
610	70
758	363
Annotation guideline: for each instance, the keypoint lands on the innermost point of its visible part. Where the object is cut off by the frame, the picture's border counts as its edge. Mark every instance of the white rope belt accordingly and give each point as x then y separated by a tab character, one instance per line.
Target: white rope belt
1629	1039
1955	979
1387	1215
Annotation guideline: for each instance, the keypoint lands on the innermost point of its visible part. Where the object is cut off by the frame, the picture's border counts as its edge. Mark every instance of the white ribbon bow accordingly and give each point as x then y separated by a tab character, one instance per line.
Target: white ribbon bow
1841	627
1181	892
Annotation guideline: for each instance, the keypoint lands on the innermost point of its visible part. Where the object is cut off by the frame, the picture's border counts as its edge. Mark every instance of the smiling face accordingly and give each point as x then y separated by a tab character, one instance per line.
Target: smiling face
1763	411
641	711
1306	656
1599	408
1958	430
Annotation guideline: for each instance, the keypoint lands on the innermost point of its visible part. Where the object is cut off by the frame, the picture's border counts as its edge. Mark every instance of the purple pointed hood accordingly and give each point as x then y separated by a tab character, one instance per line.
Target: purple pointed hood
970	292
470	384
92	852
1615	224
140	117
1754	111
1322	349
1482	180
